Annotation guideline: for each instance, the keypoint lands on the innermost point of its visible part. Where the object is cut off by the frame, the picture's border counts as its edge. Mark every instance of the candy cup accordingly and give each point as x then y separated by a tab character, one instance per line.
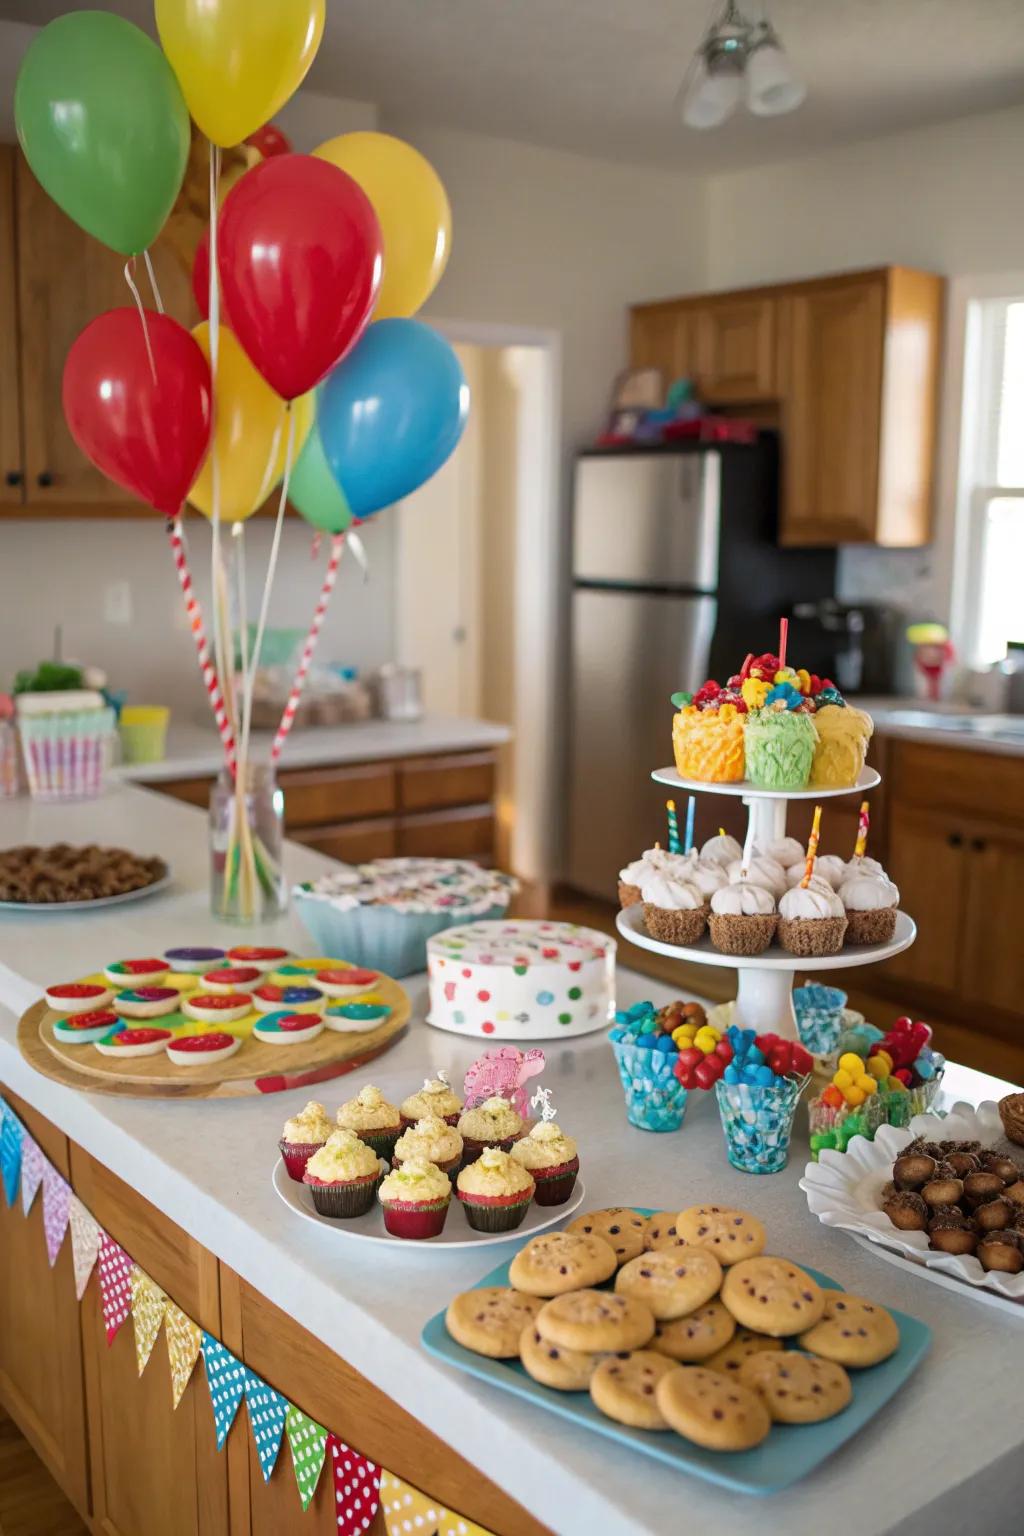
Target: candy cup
655	1097
832	1097
757	1121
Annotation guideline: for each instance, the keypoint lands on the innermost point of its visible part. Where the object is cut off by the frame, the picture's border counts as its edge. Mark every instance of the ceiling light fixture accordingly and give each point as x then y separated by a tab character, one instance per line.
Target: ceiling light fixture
735	50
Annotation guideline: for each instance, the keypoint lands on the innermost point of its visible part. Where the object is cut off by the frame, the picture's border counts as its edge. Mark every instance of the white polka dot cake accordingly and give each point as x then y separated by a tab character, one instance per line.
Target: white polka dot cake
521	980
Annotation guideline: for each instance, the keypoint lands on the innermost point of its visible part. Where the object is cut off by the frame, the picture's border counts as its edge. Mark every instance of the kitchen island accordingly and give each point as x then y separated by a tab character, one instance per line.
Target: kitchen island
186	1187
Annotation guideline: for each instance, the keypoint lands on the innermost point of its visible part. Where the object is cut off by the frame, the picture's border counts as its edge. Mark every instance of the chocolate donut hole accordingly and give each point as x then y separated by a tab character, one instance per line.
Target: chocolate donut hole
953	1240
997	1254
994	1215
1015	1192
913	1171
942	1192
980	1187
963	1163
1005	1167
907	1211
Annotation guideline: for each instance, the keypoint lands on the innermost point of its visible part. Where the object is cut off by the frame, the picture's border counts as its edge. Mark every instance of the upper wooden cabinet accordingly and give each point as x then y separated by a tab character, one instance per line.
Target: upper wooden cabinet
847	367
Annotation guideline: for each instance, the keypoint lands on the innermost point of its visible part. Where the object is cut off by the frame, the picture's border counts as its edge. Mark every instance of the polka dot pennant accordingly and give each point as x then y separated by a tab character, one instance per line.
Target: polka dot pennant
225	1377
32	1162
86	1235
267	1410
184	1341
56	1206
12	1133
307	1441
408	1512
356	1487
148	1304
115	1285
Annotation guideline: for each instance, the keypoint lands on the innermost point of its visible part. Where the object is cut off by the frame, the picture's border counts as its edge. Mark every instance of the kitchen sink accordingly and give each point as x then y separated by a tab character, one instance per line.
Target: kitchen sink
986	727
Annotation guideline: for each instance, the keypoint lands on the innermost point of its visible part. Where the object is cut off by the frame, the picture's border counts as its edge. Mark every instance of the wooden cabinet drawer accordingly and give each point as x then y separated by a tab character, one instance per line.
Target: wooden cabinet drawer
353	842
465	778
736	349
956	779
466	833
322	796
192	791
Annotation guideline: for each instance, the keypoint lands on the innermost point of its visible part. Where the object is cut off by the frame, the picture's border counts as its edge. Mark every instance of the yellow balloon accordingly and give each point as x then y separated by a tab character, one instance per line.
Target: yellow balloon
412	206
250	433
238	61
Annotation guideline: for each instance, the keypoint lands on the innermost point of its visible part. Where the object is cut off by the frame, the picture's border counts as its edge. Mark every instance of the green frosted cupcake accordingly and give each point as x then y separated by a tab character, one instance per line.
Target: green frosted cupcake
779	746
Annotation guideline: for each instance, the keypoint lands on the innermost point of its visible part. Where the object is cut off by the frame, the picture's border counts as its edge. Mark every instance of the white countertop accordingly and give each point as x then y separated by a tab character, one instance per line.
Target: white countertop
939	724
194	749
945	1453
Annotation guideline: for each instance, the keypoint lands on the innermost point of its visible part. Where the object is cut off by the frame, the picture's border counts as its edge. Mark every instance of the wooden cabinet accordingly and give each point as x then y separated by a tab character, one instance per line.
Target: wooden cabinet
846	367
927	859
993	967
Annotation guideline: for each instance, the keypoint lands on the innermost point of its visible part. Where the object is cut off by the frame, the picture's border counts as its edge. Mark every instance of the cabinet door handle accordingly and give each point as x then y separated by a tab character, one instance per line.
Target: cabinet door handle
978	844
955	840
44	480
14	477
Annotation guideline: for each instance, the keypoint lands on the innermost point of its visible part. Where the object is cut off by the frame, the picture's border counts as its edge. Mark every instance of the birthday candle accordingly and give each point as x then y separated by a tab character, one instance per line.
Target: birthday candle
783	637
673	827
812	846
691	808
748	848
863	824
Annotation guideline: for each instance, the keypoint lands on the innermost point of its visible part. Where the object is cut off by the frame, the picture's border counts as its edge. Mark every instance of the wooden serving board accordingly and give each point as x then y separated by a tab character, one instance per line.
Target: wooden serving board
255	1068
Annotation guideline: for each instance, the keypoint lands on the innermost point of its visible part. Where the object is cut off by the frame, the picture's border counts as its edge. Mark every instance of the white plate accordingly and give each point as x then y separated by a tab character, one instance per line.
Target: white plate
866	779
843	1190
457	1231
95	902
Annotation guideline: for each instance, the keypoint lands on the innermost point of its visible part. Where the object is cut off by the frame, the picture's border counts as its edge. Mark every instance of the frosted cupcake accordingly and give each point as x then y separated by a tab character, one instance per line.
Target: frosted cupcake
431	1140
870	903
494	1123
743	919
373	1119
550	1156
830	868
415	1199
708	744
342	1176
780	743
720	849
812	920
632	878
708	878
761	870
495	1192
784	850
434	1098
843	736
674	910
304	1134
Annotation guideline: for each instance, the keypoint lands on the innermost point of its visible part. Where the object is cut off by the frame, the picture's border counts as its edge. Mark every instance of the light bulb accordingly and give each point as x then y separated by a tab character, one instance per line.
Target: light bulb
709	98
772	87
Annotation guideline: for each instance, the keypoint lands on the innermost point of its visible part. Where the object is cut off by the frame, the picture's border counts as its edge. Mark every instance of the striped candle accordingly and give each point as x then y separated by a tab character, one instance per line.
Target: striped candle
812	846
691	811
673	827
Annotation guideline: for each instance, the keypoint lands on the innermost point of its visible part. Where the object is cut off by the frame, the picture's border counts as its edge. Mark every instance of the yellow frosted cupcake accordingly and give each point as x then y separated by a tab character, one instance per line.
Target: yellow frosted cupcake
494	1123
343	1175
373	1119
495	1191
415	1199
843	736
430	1138
434	1098
708	744
550	1156
304	1134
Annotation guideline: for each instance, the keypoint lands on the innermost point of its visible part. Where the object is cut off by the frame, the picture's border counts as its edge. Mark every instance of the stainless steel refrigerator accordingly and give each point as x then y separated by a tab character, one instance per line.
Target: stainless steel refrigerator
676	572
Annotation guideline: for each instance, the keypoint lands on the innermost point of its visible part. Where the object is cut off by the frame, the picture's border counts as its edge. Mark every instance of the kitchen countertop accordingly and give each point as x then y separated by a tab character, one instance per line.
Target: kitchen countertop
944	1455
942	724
194	749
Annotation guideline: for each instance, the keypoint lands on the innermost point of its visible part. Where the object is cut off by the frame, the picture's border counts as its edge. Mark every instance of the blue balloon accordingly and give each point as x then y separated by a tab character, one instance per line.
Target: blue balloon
391	413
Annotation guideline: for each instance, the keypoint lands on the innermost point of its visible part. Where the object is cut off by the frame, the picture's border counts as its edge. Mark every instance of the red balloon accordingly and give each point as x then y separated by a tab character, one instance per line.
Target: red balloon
150	436
299	252
269	140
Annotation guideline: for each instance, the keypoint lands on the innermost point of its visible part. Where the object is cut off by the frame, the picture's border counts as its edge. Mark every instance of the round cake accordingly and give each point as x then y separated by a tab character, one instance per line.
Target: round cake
520	980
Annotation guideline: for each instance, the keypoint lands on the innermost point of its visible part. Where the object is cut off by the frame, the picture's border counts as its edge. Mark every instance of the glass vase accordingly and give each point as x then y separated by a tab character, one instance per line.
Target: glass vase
246	837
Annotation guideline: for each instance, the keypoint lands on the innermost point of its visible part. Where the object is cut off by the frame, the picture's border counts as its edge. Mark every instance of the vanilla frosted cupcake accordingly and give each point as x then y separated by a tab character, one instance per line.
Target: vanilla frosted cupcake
674	910
494	1123
870	902
721	849
632	878
343	1175
743	918
373	1119
812	920
415	1199
431	1140
434	1098
495	1191
708	878
550	1156
784	850
304	1134
860	864
762	870
829	867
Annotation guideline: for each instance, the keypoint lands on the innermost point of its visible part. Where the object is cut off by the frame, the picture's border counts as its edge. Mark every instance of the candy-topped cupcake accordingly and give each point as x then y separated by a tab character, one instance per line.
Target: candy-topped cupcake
434	1098
780	739
372	1118
707	734
843	736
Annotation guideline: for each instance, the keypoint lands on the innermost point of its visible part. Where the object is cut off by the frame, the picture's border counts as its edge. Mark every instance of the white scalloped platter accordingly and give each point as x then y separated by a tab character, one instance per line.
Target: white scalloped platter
843	1190
866	779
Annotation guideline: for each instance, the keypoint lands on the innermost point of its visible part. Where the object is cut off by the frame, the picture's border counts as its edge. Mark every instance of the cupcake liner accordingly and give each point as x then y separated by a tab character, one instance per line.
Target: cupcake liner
655	1098
674	927
502	1213
629	895
296	1154
353	1198
471	1148
819	1017
381	1138
379	938
65	754
735	934
415	1219
810	936
875	927
555	1185
758	1122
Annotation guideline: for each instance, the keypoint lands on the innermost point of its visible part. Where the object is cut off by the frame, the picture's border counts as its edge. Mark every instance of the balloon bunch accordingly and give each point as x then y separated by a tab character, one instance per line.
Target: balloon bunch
307	371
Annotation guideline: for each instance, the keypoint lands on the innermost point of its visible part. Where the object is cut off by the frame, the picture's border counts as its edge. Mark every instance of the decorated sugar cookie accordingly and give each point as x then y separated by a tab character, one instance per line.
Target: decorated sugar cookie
77	997
134	1042
230	978
268	999
85	1028
201	1050
263	959
295	973
136	973
349	981
217	1007
284	1028
147	1002
354	1018
195	959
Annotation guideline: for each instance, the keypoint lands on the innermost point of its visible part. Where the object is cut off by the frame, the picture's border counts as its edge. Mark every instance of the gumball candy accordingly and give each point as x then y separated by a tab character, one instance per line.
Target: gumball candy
854	1095
732	1074
851	1063
647	1042
904	1075
843	1079
708	1072
879	1067
691	1057
764	1076
823	1141
724	1050
802	1061
867	1084
665	1044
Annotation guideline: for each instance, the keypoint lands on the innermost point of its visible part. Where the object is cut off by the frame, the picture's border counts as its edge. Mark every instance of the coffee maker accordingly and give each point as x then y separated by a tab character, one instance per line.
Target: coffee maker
855	644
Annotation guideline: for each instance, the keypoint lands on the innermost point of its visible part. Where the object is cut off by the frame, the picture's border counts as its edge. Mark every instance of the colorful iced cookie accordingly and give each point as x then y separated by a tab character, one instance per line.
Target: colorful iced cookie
294	972
77	997
147	1002
268	999
263	959
85	1028
349	981
230	978
286	1028
217	1007
134	1042
136	973
201	1050
194	959
351	1018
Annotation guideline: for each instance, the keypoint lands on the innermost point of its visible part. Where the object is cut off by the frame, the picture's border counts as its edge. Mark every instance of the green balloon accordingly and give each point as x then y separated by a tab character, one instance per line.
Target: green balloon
104	126
313	490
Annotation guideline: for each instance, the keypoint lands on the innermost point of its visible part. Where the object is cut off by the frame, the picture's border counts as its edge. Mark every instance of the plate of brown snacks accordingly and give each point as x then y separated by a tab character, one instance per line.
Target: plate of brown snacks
943	1196
65	878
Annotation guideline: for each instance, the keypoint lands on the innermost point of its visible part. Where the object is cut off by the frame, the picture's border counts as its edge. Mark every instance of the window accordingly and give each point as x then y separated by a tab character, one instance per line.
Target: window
992	478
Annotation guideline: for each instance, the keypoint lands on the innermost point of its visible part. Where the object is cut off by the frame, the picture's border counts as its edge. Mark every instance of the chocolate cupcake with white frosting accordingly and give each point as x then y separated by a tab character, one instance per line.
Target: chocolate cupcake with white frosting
829	867
761	870
743	918
871	903
721	849
674	910
812	920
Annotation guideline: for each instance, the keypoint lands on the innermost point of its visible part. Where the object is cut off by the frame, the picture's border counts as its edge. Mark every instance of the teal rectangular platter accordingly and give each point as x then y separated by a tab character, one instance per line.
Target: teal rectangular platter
790	1453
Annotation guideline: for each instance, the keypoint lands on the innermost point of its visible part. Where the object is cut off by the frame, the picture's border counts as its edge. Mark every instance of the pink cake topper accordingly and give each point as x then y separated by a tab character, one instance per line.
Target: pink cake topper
504	1074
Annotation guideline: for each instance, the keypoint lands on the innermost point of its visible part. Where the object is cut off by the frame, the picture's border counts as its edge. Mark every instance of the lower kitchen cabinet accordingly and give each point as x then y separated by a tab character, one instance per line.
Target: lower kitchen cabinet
993	965
927	859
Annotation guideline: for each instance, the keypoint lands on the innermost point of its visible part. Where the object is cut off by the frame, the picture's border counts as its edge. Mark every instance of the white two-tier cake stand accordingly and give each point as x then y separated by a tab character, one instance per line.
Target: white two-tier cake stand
764	999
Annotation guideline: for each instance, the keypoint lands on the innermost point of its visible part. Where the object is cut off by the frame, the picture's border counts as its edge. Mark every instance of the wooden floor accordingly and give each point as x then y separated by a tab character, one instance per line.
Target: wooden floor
31	1504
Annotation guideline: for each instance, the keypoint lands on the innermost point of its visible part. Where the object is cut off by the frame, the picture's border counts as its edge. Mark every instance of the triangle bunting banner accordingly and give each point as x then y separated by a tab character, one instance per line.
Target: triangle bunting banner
267	1410
56	1208
148	1303
356	1488
225	1377
32	1161
115	1284
86	1235
11	1135
307	1441
184	1341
